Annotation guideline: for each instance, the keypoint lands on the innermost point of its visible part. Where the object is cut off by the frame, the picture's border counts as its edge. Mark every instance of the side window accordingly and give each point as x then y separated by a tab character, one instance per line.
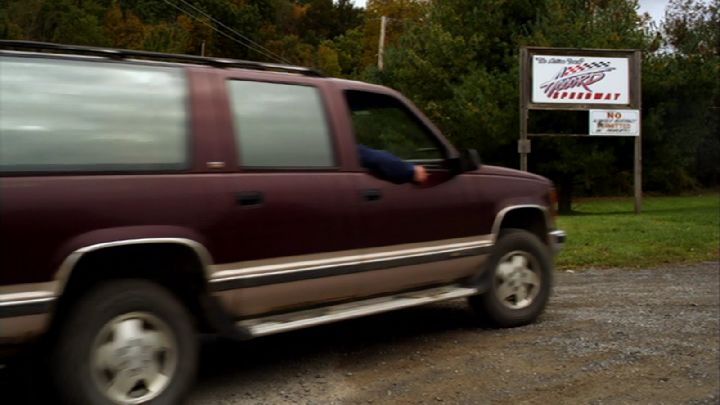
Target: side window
61	115
383	122
280	125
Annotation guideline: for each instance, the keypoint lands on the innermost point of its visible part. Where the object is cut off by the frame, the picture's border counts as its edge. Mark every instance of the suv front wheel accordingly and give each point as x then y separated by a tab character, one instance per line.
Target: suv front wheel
126	342
520	273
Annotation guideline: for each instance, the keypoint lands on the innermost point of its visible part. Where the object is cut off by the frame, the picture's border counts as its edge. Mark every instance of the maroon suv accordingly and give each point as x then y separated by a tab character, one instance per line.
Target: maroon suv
146	197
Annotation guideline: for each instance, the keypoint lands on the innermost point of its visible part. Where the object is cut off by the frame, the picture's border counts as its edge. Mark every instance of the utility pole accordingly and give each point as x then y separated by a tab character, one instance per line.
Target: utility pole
637	166
381	45
524	142
202	48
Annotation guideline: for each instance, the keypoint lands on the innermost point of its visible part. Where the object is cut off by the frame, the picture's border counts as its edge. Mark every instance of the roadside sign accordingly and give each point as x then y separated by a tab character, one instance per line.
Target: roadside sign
614	122
567	79
580	79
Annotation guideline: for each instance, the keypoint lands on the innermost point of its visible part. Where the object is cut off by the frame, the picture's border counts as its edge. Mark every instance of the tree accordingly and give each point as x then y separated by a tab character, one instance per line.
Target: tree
124	29
693	27
400	13
63	21
682	141
349	48
326	59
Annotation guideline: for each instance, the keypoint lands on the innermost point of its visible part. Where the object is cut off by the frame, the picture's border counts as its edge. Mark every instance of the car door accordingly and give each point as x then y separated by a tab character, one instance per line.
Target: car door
415	225
287	202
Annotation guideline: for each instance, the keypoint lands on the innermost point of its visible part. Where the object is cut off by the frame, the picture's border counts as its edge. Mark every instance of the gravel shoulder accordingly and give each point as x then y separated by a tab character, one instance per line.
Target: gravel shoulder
607	336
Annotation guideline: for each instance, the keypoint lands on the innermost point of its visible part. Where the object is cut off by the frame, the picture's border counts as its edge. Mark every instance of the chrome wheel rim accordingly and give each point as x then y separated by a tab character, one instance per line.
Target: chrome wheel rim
133	358
517	280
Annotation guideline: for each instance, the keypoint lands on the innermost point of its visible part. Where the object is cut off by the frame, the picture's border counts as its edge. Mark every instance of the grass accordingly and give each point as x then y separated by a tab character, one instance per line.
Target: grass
605	232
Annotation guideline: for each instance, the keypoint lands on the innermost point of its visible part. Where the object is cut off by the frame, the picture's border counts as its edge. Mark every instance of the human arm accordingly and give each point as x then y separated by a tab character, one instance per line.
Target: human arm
390	167
420	175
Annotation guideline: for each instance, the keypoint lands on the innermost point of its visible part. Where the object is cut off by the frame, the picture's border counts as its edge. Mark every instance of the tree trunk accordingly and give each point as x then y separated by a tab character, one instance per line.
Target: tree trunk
565	186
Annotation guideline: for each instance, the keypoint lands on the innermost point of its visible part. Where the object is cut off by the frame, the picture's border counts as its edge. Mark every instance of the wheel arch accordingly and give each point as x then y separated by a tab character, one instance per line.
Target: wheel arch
532	218
179	264
70	264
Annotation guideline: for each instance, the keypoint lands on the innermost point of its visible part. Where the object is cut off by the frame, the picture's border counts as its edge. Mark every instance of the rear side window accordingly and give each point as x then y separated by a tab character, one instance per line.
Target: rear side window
279	125
58	115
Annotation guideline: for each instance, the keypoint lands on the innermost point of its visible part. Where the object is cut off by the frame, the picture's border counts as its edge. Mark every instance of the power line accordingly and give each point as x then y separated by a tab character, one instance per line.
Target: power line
260	50
232	30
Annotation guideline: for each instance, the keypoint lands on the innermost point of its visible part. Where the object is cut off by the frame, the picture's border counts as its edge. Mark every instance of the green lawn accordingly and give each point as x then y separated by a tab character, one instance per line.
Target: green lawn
605	232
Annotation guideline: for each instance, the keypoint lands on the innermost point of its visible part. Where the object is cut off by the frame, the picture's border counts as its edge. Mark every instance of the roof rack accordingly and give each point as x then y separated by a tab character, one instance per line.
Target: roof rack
114	53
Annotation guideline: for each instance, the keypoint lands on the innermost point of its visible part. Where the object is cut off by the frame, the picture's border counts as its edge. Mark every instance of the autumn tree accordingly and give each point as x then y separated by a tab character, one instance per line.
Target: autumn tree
124	29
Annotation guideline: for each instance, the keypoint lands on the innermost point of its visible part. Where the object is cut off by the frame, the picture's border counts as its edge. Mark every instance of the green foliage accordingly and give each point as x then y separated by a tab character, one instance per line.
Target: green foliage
349	48
327	59
678	127
65	21
399	14
682	142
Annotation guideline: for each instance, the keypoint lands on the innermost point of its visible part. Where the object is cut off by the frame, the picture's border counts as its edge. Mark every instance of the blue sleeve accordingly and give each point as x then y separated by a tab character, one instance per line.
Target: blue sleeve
386	165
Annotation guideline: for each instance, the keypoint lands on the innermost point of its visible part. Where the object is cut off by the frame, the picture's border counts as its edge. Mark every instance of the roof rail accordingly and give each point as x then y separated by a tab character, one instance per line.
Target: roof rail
114	53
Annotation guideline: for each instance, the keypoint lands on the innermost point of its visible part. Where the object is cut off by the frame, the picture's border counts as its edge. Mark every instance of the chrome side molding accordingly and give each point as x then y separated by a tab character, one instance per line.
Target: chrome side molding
293	268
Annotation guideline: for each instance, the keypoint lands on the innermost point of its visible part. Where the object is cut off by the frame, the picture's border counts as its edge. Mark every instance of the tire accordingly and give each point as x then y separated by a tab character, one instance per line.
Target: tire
520	274
117	343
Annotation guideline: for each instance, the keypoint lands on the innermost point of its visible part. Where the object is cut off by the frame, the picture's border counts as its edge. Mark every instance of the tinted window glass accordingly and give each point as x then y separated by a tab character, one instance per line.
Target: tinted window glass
60	115
279	125
383	122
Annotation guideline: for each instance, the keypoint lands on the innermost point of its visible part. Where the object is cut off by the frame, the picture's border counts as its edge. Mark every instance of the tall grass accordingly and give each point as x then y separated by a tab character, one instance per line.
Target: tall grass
605	232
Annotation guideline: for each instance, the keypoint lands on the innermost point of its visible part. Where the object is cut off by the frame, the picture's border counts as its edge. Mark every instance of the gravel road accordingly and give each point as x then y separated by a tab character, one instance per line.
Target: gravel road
608	336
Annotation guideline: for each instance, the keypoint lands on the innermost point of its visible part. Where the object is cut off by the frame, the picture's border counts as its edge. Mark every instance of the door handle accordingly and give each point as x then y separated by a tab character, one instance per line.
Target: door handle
372	194
249	198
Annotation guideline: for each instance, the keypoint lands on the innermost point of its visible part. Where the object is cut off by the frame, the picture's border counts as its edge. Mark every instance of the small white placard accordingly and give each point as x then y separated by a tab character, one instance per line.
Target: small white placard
615	122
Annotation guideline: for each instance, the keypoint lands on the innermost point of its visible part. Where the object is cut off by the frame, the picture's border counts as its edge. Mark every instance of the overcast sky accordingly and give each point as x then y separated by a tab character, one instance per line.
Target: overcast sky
656	8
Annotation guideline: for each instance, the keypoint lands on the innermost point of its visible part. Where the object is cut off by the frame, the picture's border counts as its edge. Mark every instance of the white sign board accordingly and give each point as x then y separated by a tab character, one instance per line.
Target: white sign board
615	122
580	80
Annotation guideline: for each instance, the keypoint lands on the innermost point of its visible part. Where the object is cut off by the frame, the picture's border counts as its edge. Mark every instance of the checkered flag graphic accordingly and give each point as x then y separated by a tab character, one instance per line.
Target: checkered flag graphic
581	67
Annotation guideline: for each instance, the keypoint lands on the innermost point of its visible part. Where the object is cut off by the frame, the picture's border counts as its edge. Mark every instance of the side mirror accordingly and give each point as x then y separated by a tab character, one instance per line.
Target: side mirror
468	161
471	158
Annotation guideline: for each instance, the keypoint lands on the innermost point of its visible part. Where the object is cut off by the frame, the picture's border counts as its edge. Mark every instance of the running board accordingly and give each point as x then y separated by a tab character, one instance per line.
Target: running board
311	317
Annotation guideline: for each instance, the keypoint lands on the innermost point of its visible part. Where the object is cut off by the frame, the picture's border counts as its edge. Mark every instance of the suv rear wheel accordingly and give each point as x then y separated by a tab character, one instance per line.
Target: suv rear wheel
126	342
521	272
